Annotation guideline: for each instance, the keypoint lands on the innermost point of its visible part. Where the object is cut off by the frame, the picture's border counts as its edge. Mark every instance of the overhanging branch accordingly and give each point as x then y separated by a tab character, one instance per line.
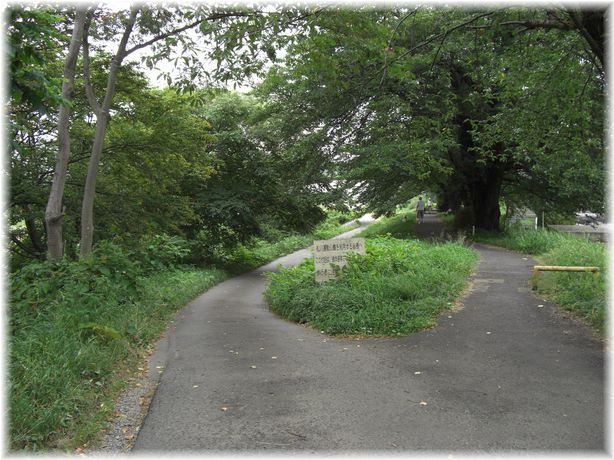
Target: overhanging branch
179	30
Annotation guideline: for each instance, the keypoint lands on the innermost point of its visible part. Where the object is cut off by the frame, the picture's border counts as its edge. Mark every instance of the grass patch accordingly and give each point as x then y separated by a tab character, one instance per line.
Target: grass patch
398	226
68	345
580	293
399	287
534	242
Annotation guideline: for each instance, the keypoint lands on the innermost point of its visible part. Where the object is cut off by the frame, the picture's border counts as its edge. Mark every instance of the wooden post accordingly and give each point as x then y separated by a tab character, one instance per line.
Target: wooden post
558	268
561	268
543	220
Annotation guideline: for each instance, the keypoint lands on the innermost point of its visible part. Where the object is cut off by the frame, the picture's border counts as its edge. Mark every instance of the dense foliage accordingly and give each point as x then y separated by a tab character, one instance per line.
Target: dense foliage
187	165
369	104
456	101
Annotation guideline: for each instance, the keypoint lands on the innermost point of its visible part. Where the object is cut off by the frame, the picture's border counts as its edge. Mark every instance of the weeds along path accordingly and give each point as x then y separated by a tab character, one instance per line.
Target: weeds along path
507	371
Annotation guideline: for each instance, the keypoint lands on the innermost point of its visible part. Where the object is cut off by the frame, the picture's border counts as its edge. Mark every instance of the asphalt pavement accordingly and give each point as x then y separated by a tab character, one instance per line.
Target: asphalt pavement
507	371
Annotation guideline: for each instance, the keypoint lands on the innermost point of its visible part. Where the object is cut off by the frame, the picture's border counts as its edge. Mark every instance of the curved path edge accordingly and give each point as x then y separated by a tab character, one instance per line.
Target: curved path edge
509	371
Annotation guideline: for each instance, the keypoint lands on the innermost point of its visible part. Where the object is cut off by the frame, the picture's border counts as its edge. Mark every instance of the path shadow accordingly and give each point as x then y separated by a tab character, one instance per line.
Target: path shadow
434	230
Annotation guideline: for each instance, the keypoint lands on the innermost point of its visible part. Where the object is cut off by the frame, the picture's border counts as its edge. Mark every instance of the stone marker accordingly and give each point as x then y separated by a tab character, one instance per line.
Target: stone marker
327	253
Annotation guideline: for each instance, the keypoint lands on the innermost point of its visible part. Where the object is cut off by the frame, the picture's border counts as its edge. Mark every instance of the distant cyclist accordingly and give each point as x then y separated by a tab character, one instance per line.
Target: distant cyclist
420	210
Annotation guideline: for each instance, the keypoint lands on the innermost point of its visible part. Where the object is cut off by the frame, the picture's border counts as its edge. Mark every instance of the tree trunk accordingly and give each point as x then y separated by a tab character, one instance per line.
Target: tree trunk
486	191
590	23
450	194
54	214
89	192
35	236
102	119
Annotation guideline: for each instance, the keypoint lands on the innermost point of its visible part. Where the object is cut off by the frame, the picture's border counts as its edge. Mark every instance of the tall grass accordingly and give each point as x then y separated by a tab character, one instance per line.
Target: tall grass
398	287
528	241
71	330
582	293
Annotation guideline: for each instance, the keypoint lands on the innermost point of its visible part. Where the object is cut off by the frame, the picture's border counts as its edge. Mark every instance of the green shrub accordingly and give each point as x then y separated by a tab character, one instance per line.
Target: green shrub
162	251
398	287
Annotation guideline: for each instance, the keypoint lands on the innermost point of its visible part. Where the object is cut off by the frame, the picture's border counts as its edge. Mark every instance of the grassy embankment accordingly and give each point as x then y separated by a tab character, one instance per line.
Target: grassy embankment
581	293
399	287
79	329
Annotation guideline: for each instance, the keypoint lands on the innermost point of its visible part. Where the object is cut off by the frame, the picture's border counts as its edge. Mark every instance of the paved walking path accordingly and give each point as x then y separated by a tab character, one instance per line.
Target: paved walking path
501	373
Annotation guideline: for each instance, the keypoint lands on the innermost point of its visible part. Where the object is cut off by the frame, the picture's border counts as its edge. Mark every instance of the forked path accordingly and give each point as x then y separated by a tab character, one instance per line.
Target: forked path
501	373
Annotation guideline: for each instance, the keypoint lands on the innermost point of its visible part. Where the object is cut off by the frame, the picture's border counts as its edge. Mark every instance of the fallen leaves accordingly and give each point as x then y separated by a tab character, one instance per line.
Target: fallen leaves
423	403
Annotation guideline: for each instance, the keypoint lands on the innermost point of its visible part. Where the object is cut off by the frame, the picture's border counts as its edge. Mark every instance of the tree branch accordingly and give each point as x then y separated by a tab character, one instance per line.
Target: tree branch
595	46
28	251
539	25
121	50
89	92
170	33
440	35
394	32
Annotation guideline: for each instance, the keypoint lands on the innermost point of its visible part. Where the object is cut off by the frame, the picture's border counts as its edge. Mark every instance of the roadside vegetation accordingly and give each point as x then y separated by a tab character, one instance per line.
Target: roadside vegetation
78	328
581	293
399	287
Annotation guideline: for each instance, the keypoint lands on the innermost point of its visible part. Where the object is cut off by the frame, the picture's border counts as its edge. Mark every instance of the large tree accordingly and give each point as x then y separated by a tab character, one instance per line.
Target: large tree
412	99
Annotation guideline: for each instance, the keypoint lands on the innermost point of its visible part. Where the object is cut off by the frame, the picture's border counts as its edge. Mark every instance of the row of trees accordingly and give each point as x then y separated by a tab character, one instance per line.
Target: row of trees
369	104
